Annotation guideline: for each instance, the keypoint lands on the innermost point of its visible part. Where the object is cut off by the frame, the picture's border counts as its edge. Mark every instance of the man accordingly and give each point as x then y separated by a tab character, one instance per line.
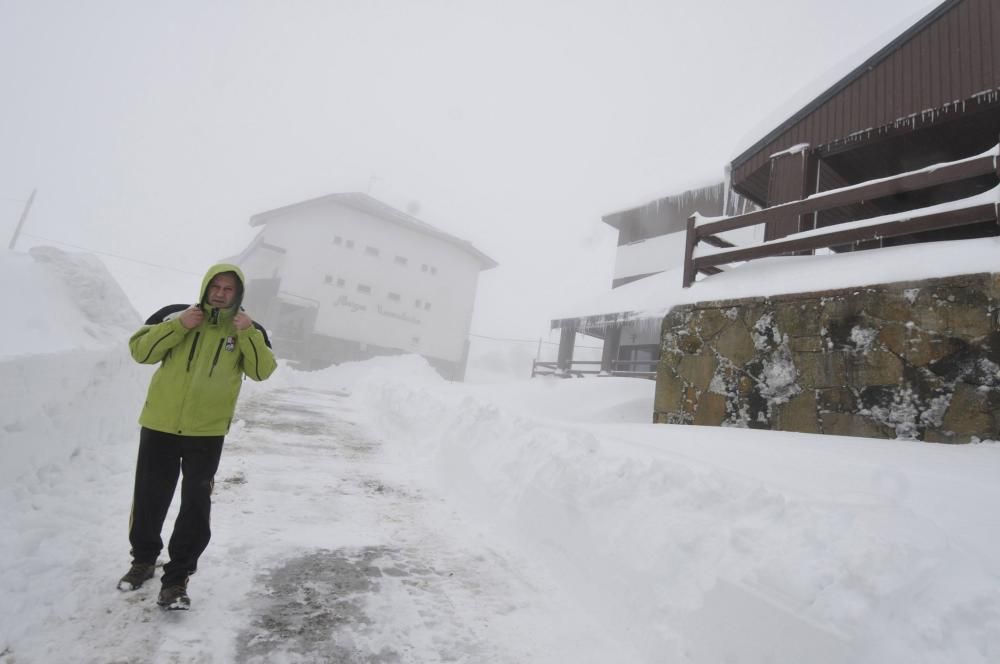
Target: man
204	351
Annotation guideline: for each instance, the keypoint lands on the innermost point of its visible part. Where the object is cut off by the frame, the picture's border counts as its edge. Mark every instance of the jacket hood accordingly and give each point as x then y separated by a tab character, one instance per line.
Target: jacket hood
219	269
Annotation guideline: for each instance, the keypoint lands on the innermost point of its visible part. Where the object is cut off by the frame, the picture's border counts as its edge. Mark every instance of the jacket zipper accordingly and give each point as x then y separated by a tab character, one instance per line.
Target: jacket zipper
215	359
194	345
157	343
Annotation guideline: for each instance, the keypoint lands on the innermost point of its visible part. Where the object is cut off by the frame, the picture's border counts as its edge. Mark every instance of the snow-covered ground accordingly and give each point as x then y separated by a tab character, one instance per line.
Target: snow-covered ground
374	512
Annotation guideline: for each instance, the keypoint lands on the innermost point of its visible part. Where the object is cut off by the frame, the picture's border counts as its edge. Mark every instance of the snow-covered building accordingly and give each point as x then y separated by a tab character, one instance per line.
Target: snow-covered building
929	96
650	241
345	277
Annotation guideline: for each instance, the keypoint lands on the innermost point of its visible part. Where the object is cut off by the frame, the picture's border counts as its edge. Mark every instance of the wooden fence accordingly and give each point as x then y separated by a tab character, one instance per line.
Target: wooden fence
621	369
972	210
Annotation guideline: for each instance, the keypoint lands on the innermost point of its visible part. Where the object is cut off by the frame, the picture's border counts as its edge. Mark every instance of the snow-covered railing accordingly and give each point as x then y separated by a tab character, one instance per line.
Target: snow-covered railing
972	210
620	368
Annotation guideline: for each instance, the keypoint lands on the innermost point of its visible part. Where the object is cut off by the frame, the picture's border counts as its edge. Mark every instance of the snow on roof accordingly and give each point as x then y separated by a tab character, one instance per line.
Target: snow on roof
654	296
367	204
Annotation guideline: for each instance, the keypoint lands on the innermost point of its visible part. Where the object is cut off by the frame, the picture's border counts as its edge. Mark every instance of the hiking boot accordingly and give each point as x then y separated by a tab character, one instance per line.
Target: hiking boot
137	575
174	598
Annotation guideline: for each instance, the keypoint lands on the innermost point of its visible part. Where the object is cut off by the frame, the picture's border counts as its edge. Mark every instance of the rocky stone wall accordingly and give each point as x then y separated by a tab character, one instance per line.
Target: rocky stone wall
916	360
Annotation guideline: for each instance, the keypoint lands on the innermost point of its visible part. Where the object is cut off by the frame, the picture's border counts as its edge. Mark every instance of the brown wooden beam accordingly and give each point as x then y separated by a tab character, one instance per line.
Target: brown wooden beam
951	218
900	184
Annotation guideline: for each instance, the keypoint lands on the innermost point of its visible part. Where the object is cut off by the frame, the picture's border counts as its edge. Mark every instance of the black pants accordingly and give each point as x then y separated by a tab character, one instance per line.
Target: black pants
162	457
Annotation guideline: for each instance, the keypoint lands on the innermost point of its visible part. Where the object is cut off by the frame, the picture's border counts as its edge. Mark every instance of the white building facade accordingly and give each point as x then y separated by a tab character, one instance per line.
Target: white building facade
345	277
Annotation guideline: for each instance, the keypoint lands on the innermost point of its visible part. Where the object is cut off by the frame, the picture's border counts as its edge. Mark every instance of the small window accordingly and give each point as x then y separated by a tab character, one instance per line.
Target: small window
393	296
364	289
340	283
328	279
415	340
418	304
427	306
338	240
423	268
371	251
434	270
400	260
349	244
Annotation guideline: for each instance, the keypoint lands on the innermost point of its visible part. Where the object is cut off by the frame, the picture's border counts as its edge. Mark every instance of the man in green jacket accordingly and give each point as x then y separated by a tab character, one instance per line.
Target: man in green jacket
204	351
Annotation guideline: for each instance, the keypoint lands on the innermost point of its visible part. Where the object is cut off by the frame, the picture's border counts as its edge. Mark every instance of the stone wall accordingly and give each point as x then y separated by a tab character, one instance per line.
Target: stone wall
916	360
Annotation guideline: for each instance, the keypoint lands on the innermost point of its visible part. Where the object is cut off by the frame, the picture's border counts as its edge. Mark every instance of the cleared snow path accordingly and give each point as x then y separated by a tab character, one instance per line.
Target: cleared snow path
326	549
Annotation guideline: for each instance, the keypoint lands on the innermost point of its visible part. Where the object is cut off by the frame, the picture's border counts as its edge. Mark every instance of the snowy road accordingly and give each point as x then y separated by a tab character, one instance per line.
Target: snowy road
327	549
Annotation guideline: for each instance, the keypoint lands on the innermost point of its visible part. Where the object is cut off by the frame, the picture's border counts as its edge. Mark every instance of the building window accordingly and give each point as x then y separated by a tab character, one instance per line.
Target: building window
393	296
423	268
349	244
367	290
340	283
400	260
415	340
418	304
434	270
371	251
427	306
328	279
338	240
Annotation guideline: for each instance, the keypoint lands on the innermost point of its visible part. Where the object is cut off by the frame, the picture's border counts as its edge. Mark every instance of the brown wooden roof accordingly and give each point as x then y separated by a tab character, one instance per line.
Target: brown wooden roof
945	66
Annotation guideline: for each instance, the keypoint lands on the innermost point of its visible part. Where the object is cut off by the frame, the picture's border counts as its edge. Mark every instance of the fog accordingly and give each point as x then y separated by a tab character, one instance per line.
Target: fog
153	131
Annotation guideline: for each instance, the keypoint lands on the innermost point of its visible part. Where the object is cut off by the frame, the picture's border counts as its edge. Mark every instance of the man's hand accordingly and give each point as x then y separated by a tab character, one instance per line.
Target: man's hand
242	321
192	317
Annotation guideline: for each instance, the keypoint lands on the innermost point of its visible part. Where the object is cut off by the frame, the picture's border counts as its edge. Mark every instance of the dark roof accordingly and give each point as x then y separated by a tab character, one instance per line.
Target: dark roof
855	74
365	203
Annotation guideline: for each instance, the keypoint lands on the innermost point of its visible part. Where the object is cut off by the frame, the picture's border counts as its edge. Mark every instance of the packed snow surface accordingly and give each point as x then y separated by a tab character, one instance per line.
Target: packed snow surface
373	512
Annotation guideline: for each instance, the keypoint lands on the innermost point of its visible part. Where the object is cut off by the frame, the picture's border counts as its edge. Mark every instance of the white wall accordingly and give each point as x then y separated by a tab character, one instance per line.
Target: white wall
649	256
445	290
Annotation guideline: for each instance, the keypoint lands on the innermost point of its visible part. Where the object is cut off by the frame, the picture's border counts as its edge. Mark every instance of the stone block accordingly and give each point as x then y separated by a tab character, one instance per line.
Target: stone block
799	318
836	400
970	321
711	409
689	343
875	368
669	390
822	370
735	344
969	414
798	414
852	424
708	323
697	370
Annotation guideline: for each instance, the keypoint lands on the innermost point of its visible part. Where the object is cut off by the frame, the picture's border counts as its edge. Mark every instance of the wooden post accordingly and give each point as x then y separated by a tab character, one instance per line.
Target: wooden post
20	223
612	342
567	340
690	244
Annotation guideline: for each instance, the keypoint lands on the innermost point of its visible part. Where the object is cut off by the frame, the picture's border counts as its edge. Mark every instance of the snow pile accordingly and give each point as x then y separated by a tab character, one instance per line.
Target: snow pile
64	363
713	543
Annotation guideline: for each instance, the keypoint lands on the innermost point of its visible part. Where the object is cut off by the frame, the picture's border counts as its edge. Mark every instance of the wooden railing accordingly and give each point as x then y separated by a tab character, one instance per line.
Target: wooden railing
972	210
539	368
621	368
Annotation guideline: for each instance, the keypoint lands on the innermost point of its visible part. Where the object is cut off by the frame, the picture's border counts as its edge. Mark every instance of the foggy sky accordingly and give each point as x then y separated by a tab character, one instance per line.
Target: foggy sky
155	130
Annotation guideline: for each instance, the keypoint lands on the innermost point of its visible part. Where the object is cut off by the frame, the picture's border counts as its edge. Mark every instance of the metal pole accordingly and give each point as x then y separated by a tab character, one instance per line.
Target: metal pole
24	215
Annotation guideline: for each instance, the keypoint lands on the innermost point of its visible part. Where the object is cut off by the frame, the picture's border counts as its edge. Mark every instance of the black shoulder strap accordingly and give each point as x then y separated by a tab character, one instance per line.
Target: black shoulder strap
264	332
162	314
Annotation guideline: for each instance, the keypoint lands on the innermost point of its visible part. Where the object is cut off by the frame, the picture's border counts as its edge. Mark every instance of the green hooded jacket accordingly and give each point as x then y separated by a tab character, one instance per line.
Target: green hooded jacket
194	391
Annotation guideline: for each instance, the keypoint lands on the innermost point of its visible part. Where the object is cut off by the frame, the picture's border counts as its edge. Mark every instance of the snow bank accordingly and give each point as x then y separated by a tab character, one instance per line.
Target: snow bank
65	373
71	394
712	544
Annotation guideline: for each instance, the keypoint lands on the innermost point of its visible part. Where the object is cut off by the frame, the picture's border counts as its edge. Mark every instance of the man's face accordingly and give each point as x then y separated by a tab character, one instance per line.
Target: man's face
222	291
